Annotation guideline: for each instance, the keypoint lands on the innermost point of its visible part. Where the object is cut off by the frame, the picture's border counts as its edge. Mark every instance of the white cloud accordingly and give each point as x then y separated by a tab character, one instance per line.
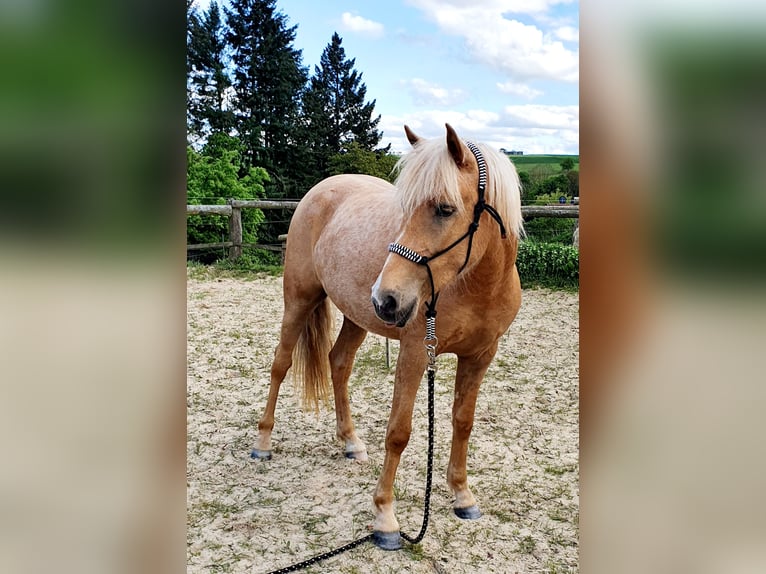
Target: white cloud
542	116
523	51
353	23
567	34
530	128
428	94
498	6
519	90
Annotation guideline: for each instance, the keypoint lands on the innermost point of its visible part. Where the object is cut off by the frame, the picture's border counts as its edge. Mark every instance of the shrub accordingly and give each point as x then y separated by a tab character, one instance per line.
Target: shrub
548	265
355	159
213	175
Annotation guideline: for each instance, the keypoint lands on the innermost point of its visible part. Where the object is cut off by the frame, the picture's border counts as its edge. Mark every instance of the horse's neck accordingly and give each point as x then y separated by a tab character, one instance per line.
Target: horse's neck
495	266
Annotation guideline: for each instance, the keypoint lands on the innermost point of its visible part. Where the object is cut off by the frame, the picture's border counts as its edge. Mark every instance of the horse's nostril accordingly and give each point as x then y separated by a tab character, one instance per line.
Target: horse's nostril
389	305
386	306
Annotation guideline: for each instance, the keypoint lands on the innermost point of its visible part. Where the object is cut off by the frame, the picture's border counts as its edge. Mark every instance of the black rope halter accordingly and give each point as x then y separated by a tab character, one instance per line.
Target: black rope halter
480	207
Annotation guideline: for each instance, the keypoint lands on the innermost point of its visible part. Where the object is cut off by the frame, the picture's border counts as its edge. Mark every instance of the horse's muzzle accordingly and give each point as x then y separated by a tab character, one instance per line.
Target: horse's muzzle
389	310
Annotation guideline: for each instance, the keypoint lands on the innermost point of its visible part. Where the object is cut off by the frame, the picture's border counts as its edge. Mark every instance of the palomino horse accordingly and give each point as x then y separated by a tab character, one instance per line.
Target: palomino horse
447	218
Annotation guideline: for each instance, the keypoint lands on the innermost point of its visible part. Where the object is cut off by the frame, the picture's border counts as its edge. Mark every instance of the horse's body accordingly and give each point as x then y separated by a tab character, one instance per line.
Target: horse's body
337	248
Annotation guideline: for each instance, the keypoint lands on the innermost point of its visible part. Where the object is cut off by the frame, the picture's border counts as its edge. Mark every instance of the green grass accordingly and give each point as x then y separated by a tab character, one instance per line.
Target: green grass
527	545
246	266
547	162
243	268
415	552
560	470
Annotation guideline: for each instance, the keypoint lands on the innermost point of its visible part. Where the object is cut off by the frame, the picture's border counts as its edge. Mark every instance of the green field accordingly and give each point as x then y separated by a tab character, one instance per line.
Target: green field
544	163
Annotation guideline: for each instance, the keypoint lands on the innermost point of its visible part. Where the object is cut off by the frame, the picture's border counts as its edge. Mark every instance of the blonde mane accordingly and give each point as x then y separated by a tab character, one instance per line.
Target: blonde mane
429	174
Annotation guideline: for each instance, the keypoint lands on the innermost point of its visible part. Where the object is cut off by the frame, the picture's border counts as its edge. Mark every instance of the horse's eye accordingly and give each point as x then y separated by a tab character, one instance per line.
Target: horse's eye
444	210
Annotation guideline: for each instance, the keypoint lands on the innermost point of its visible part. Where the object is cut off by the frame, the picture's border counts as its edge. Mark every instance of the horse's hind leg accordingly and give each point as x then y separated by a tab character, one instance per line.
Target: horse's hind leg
297	309
341	362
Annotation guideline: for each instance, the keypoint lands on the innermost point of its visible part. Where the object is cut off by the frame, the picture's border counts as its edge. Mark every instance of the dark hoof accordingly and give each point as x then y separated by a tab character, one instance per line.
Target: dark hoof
260	454
468	513
387	540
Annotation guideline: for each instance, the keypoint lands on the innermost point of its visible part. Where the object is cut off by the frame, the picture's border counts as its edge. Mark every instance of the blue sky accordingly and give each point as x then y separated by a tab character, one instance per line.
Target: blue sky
504	72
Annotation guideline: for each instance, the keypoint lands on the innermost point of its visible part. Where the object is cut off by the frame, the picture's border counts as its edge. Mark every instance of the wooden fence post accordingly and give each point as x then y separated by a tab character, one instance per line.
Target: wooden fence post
283	247
235	231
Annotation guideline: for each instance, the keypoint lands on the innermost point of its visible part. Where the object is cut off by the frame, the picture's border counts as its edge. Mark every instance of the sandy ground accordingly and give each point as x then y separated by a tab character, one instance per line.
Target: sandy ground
253	517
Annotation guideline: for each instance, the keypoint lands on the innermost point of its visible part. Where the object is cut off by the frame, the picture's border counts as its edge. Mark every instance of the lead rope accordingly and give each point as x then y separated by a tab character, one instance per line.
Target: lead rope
430	343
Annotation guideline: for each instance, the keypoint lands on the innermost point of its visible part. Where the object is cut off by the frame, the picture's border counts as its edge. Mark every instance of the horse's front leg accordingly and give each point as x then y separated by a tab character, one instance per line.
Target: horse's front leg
409	371
470	373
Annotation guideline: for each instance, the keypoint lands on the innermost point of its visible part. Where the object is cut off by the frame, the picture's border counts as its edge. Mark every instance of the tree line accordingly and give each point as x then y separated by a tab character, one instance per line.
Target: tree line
259	124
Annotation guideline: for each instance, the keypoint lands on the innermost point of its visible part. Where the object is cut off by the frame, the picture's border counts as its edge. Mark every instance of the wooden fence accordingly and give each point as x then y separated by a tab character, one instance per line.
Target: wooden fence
233	210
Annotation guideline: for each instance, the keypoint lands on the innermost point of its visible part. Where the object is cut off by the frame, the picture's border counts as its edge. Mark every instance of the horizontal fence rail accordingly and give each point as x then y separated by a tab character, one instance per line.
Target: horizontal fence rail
531	211
233	210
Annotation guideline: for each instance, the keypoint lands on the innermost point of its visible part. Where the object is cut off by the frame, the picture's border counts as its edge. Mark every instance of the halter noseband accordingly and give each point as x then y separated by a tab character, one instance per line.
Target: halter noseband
418	259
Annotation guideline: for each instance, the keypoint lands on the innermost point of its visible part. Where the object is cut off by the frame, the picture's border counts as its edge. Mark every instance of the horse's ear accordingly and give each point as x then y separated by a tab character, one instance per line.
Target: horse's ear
412	137
456	148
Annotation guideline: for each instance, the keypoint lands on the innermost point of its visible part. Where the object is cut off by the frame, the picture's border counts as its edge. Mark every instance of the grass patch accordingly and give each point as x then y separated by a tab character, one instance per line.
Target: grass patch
527	545
415	552
247	266
560	470
243	268
208	508
554	568
549	162
503	517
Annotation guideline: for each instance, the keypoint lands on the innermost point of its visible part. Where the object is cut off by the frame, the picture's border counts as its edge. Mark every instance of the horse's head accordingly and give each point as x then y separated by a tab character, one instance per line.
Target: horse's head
439	188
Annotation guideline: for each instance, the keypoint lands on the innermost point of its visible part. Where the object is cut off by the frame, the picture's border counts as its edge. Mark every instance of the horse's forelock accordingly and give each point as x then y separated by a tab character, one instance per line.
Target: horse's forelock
428	174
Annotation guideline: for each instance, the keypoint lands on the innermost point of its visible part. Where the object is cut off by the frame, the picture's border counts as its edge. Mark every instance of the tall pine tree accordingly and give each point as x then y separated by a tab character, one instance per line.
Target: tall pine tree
268	79
192	21
334	107
208	83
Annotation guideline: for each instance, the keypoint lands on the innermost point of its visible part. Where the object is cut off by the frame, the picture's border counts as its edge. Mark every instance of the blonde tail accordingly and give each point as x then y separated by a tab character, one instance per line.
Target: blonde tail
311	358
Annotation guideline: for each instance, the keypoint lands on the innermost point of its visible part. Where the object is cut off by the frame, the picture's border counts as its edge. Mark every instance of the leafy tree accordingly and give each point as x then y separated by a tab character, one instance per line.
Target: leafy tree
573	177
554	186
527	188
207	77
567	164
268	79
355	159
335	111
212	176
